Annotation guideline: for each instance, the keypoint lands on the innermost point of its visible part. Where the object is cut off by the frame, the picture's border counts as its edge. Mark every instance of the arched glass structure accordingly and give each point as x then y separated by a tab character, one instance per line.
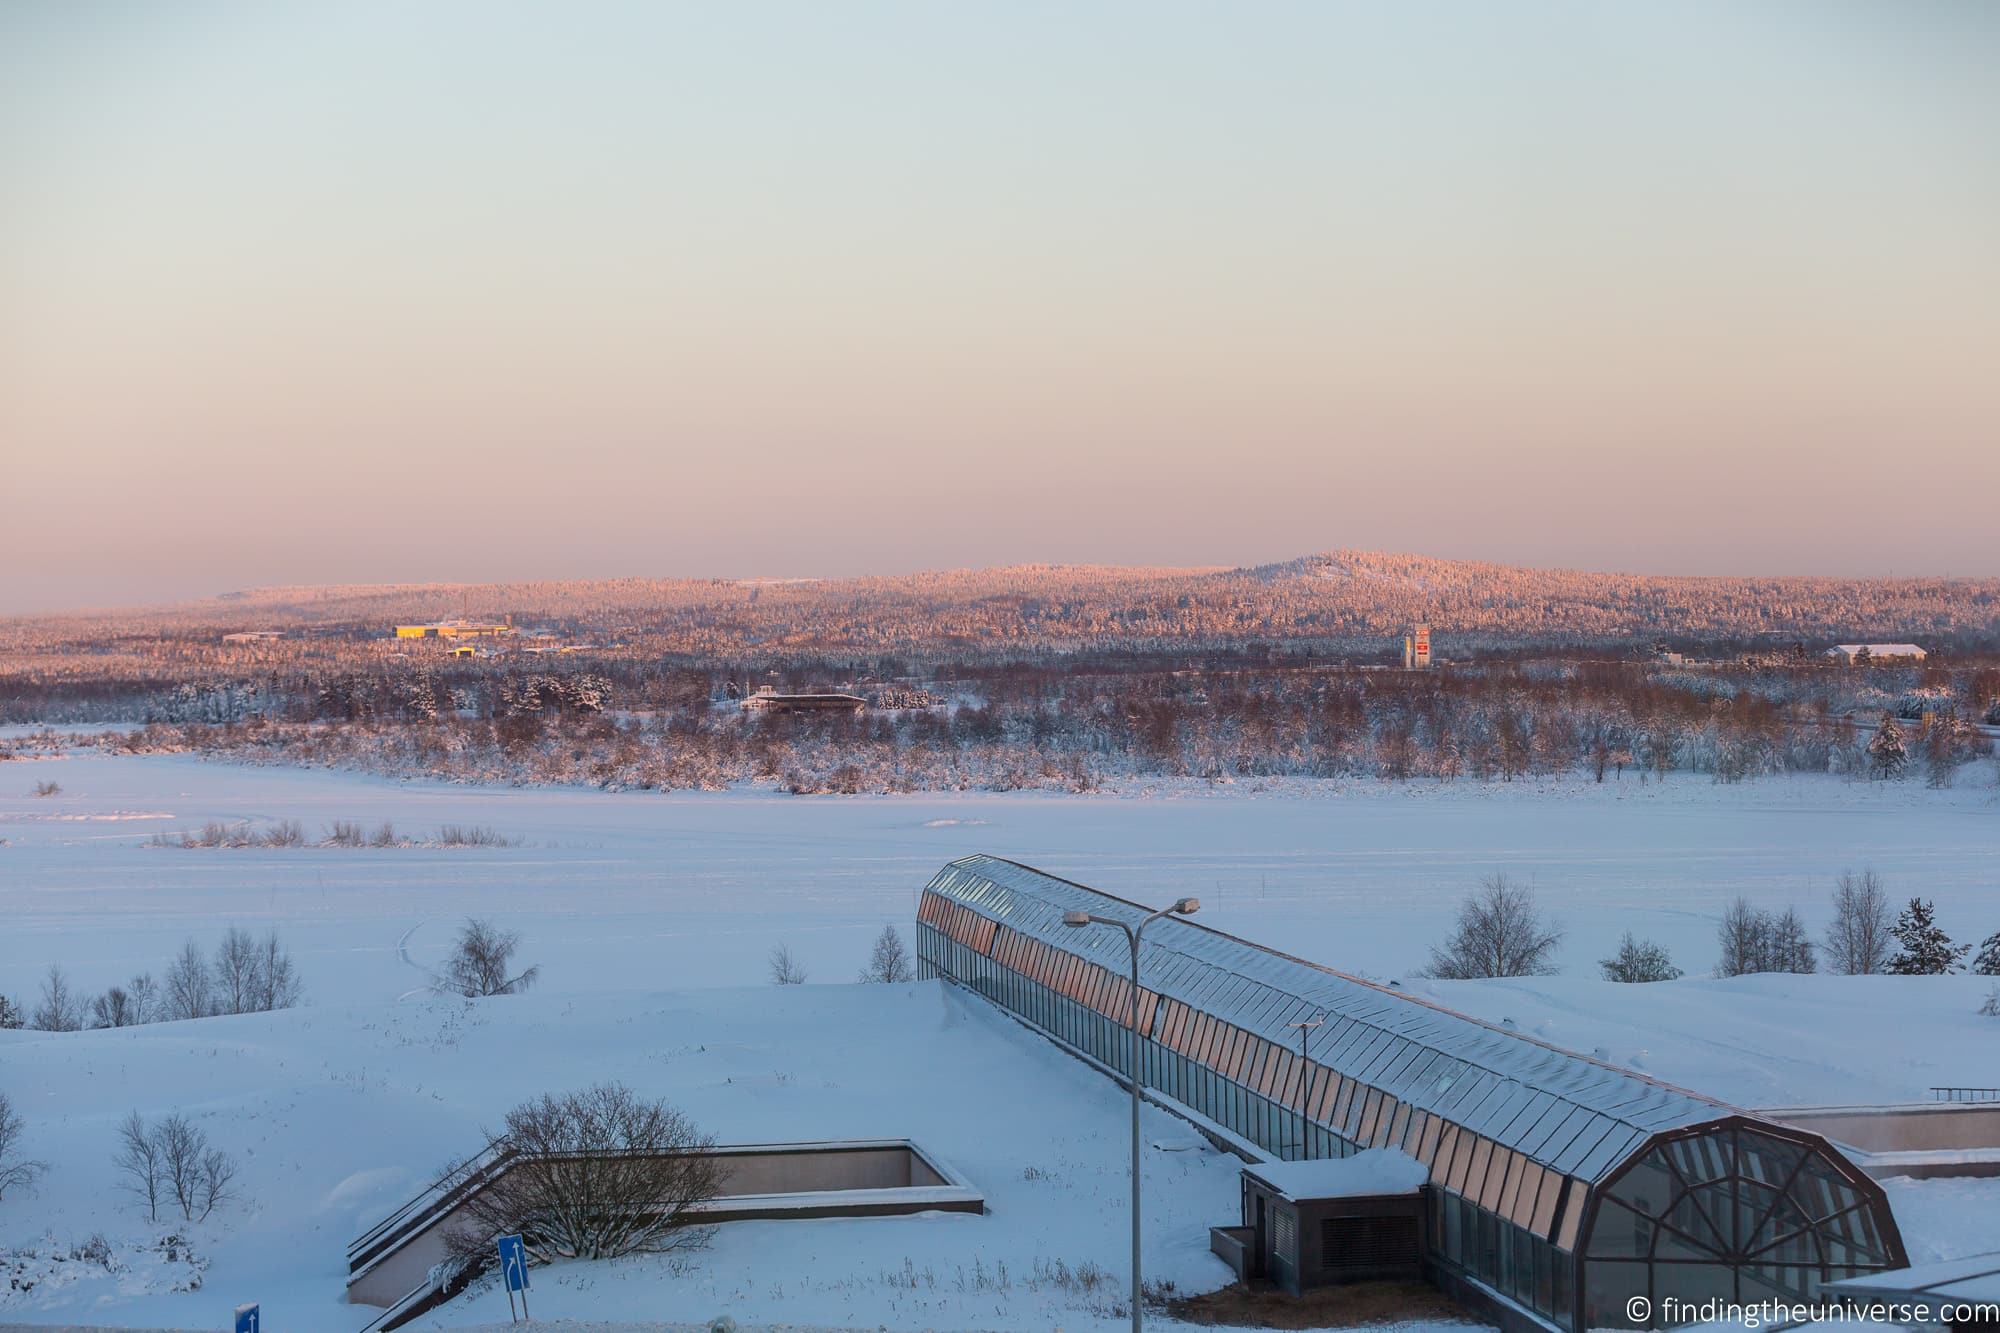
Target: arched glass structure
1560	1187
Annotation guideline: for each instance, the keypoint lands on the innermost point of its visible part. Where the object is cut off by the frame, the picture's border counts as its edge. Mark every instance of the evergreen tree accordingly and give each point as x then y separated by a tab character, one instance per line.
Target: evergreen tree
11	1015
1886	754
1926	950
422	701
1986	963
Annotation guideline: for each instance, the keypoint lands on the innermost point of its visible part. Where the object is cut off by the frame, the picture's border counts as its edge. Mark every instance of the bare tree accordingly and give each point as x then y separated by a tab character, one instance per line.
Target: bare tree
16	1171
1500	933
199	1177
188	992
1791	950
1741	936
599	1173
1858	940
481	960
138	1162
236	972
144	995
113	1009
1755	941
889	961
785	969
277	982
60	1010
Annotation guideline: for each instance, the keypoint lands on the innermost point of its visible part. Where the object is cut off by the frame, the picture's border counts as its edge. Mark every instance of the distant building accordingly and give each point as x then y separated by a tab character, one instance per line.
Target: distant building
1851	653
454	629
253	636
1417	649
769	699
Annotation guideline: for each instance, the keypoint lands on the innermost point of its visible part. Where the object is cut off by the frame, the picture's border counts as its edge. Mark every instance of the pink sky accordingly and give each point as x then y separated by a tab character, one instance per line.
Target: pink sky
306	293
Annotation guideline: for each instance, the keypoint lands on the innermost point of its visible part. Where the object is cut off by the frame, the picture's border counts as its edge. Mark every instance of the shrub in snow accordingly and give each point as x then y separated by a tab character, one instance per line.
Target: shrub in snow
172	1165
1990	1006
1500	933
1754	941
1857	940
48	789
785	969
1639	961
889	961
1925	950
598	1174
16	1171
481	960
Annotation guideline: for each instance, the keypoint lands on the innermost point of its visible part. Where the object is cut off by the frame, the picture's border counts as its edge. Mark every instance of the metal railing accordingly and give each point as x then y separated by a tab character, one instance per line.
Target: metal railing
443	1194
1965	1094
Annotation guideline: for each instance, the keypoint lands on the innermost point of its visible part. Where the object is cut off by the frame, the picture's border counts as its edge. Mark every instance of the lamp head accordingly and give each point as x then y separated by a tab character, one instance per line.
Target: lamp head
1188	906
1076	918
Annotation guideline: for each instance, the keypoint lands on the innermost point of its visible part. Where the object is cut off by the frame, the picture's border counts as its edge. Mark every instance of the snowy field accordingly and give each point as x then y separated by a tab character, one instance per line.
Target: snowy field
612	890
651	917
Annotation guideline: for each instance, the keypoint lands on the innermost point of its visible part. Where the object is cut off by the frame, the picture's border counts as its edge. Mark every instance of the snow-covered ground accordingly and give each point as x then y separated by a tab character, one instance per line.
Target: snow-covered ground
339	1112
610	889
651	917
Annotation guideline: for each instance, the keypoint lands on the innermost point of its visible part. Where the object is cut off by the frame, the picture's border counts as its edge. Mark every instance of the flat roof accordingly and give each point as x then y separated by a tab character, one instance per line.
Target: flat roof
1375	1172
1975	1278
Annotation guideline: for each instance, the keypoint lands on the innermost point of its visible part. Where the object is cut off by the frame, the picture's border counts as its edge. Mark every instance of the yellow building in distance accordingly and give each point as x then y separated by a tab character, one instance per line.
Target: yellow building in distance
454	629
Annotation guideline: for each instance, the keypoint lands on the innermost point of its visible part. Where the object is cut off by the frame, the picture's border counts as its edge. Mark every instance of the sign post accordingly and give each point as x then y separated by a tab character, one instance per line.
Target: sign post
513	1271
246	1319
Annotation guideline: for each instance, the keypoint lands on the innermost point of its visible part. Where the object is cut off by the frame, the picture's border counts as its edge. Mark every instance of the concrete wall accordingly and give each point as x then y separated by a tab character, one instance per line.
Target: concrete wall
795	1172
778	1169
1924	1126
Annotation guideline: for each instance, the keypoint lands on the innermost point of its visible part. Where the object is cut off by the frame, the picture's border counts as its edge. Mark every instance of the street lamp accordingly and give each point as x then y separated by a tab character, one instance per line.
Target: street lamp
1305	1078
1185	907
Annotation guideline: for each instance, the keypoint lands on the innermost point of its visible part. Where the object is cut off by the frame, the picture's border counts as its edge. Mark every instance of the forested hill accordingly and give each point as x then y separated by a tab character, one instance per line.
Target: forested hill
1342	600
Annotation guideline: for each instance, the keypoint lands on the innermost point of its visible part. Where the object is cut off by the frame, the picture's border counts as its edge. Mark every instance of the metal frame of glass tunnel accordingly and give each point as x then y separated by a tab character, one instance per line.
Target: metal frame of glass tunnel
1560	1187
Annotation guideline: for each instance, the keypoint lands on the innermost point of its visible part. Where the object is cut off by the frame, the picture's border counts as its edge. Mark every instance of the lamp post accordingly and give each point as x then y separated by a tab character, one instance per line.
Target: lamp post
1305	1080
1185	907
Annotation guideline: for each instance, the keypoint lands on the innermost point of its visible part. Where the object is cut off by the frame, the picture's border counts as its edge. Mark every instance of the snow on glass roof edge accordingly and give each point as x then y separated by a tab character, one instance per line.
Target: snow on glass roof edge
1569	1111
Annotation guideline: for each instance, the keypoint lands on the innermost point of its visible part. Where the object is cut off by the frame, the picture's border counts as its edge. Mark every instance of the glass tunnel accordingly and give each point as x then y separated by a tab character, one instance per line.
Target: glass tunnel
1560	1187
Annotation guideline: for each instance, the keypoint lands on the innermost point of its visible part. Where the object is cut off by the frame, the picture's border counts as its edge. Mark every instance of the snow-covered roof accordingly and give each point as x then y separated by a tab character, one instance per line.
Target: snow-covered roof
1375	1171
1566	1111
1974	1279
1880	649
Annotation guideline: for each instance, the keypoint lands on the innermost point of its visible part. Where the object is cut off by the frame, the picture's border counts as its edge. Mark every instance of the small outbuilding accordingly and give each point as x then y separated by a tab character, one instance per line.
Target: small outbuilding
1328	1220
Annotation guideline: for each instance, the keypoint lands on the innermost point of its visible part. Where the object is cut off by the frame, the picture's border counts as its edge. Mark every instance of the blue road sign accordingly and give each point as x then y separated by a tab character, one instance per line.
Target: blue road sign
246	1319
513	1264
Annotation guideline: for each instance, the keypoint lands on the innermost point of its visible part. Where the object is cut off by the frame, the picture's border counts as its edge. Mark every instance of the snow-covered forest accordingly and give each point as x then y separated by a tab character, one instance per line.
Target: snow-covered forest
1059	678
626	725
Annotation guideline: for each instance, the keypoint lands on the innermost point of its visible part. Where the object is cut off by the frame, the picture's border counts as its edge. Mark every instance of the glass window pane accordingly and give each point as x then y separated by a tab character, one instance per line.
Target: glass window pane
1607	1289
